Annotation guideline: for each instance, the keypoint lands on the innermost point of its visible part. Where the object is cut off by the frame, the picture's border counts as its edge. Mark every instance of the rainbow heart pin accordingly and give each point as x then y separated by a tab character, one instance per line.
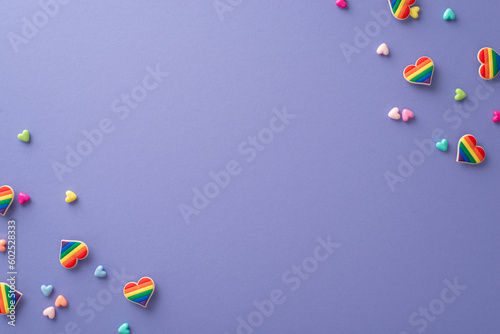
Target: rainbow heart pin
8	298
401	9
421	73
469	152
490	60
6	199
140	293
71	252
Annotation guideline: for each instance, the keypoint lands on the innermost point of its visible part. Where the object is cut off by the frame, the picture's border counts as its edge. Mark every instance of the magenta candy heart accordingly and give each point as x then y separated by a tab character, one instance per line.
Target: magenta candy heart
22	197
341	3
407	114
496	116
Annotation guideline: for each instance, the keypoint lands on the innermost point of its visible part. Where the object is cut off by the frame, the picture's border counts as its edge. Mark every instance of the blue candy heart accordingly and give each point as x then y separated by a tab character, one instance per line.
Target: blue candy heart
442	145
46	289
100	272
123	329
448	14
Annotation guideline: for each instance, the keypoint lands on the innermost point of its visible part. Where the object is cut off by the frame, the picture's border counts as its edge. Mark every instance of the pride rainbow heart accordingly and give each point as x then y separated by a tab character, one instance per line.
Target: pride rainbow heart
140	293
8	298
71	252
400	9
490	60
469	152
6	199
420	73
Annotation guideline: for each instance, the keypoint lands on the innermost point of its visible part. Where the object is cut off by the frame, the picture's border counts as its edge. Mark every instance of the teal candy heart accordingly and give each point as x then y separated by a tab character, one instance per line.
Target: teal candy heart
448	14
442	145
100	272
123	329
47	289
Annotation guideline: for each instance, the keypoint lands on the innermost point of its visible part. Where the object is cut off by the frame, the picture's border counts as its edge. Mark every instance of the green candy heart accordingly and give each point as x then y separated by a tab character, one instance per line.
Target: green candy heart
123	329
24	136
442	145
448	14
459	94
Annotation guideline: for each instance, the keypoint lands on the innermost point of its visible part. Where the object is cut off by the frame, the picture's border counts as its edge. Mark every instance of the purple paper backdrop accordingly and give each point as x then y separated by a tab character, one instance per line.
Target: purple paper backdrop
285	104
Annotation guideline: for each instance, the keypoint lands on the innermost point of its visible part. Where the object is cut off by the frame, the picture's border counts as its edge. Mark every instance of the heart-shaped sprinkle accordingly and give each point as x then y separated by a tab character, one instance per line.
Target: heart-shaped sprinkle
9	297
47	290
420	73
3	242
22	198
24	136
61	301
70	196
459	94
448	14
442	145
341	3
71	252
490	60
383	49
469	152
6	199
407	114
400	9
496	116
414	12
100	272
140	293
394	113
123	329
50	312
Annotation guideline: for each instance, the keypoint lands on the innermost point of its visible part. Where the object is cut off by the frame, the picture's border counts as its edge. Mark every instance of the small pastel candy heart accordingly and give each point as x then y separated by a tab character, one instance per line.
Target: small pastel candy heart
448	14
496	116
3	242
414	12
383	49
22	197
50	312
100	272
70	196
47	290
24	136
61	301
123	329
407	114
394	113
341	3
459	94
442	145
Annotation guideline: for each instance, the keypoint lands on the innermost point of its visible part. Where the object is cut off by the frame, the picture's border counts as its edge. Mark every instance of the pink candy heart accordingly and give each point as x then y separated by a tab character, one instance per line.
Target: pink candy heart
341	3
22	197
407	114
496	116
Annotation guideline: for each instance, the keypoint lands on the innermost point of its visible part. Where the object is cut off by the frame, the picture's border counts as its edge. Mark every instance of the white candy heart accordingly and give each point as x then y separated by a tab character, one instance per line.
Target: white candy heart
50	312
394	113
383	49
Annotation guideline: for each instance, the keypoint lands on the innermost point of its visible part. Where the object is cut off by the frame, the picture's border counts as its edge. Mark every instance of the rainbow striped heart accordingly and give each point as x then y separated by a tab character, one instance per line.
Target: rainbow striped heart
6	199
420	73
401	8
490	60
8	298
140	293
468	152
71	252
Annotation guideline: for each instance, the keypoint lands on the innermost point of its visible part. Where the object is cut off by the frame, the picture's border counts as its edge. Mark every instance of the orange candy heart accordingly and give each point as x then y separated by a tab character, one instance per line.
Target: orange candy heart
61	301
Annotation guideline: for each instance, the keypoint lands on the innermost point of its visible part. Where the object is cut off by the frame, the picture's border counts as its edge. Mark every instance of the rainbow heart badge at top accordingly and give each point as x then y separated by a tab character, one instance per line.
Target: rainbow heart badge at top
401	9
490	60
469	152
140	293
8	298
71	252
420	73
6	199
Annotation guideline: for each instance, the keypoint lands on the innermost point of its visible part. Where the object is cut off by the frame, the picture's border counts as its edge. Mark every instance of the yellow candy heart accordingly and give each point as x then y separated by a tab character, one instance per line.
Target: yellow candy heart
70	196
414	12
